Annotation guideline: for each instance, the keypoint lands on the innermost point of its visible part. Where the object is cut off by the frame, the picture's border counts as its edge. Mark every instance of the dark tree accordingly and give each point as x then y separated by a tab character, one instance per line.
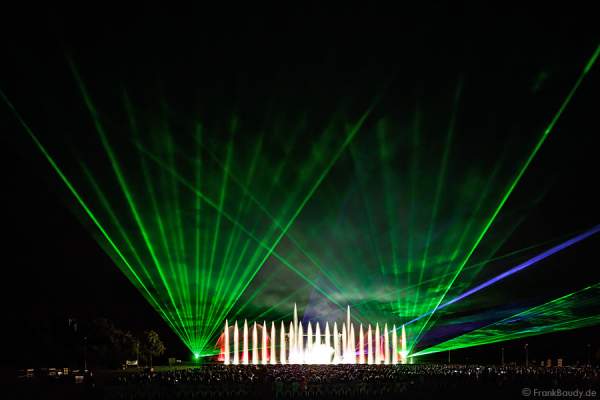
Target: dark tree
110	346
153	345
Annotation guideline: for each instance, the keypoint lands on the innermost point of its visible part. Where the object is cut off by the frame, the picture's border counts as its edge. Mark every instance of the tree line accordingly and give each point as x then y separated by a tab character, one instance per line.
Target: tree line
109	346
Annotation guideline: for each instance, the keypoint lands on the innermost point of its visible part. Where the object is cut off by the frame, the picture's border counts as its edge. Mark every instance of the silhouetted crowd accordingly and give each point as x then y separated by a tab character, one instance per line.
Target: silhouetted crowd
350	381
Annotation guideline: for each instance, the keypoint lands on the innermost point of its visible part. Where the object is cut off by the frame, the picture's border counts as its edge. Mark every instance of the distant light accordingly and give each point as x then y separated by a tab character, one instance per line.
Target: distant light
196	356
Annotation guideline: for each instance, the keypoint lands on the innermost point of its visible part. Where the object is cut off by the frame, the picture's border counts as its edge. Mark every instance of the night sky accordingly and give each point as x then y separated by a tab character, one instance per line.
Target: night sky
269	62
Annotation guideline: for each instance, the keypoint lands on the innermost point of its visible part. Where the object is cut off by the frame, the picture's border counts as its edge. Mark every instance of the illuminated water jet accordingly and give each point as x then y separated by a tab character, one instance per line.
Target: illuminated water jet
314	347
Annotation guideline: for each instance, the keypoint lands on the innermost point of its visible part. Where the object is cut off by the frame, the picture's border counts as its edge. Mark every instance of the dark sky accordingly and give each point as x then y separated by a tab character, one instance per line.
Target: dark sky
250	60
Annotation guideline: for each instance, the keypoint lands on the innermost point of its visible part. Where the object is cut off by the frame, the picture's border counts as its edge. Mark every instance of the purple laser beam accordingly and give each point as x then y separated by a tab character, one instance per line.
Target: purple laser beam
513	270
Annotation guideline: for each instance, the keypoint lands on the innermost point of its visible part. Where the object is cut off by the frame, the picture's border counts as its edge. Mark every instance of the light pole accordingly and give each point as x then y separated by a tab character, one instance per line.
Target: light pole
526	355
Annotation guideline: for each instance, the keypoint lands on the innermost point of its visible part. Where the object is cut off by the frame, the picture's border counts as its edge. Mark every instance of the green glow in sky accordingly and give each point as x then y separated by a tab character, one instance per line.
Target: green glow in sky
564	313
231	220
